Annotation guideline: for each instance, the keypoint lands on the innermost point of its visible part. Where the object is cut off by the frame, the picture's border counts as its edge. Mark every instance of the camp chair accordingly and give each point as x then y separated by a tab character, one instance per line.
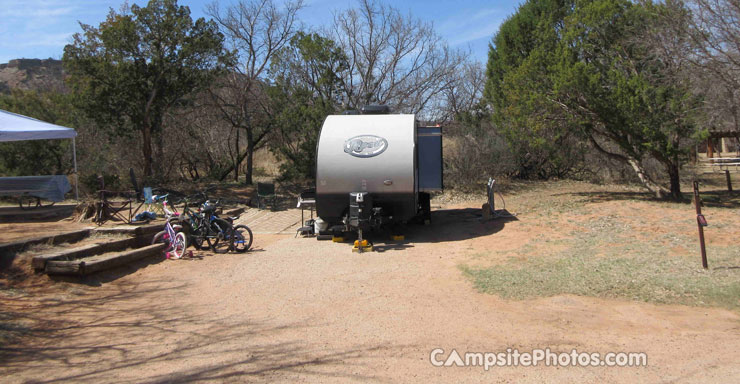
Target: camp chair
148	199
106	209
266	192
155	203
148	195
145	195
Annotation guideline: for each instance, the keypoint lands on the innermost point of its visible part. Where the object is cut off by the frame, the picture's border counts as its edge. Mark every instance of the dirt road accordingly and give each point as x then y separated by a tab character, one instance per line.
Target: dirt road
299	310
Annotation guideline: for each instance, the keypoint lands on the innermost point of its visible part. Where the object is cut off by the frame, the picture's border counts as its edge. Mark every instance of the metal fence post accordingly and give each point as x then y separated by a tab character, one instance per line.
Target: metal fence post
729	181
701	223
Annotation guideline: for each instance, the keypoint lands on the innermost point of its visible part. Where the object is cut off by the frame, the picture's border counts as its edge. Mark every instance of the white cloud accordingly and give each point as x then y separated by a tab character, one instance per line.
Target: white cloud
29	12
475	33
32	28
472	24
45	39
466	18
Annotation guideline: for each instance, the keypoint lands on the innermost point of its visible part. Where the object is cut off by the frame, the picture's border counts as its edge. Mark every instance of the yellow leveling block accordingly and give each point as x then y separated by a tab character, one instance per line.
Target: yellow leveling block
337	239
398	237
362	246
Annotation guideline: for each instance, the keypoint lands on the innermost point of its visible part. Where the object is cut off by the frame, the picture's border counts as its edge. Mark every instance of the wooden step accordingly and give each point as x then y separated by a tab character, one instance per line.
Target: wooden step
39	261
66	237
131	230
89	265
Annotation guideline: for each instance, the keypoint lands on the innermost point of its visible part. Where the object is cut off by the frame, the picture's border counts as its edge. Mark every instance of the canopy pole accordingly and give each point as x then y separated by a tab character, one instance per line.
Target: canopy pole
77	178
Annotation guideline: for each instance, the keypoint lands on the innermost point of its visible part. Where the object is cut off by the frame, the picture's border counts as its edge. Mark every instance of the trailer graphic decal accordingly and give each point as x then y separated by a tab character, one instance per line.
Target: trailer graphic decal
365	146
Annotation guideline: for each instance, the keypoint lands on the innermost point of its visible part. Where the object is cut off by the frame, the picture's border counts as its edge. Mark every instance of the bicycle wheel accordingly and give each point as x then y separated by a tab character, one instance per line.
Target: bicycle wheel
198	234
198	242
219	235
179	245
242	238
161	237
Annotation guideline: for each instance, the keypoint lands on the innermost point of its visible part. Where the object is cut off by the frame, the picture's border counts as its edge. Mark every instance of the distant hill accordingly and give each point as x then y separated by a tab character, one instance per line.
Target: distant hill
32	74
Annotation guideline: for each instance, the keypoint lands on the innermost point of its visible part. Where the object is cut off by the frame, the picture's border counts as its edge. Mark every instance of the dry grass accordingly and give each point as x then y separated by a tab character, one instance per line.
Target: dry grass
611	241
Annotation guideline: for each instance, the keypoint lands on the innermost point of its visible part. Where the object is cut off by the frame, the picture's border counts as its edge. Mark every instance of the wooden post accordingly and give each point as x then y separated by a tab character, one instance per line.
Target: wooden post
710	148
77	177
729	181
701	222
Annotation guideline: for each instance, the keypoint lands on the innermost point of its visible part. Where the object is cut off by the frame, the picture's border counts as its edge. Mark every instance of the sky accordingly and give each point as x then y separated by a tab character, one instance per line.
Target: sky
41	28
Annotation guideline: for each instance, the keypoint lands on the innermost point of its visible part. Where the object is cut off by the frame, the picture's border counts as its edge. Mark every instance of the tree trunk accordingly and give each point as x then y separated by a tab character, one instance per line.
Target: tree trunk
248	154
157	165
659	191
250	157
146	137
673	174
236	159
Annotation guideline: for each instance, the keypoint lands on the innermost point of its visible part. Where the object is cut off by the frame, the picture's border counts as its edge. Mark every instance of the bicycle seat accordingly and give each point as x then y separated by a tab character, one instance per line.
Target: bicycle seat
231	219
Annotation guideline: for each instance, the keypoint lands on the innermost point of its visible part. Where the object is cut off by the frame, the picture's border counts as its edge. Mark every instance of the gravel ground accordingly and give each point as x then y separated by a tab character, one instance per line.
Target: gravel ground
298	310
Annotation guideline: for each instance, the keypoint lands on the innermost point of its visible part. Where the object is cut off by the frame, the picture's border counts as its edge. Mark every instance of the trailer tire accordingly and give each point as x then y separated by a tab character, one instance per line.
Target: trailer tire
425	208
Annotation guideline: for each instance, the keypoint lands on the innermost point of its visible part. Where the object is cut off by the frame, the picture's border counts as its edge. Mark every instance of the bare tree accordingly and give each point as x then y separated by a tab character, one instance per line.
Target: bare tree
705	34
464	93
200	139
393	59
256	30
715	33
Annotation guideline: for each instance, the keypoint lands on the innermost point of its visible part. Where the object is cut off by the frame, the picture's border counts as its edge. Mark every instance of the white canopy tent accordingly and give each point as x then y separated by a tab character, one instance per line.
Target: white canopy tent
15	127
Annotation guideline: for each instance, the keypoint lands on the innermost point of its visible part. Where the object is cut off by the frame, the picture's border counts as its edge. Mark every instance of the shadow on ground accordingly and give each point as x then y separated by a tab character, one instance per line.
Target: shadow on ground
710	198
109	275
139	332
446	225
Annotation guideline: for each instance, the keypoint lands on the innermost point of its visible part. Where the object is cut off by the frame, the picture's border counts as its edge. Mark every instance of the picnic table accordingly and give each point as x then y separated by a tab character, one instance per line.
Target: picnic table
50	188
719	164
722	165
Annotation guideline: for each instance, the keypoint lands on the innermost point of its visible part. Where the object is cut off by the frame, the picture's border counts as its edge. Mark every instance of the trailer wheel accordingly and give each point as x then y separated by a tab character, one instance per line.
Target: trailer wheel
425	203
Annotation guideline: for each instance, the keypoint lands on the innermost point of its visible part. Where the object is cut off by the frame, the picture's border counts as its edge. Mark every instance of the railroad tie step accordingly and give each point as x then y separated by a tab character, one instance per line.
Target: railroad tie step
99	263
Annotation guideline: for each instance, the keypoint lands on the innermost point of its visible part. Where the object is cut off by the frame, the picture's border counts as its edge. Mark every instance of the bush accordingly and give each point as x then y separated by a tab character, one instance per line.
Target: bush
92	182
475	151
471	160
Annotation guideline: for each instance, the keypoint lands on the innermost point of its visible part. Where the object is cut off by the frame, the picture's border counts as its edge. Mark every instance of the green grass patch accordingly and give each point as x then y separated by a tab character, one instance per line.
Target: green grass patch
605	252
640	278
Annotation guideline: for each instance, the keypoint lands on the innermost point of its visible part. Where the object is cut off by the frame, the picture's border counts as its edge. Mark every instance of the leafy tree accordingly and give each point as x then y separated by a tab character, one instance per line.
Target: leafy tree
584	70
139	63
519	82
307	88
37	157
625	93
